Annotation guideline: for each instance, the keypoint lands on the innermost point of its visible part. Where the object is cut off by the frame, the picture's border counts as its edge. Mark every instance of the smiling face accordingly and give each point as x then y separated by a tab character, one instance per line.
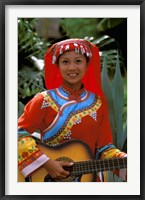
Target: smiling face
72	66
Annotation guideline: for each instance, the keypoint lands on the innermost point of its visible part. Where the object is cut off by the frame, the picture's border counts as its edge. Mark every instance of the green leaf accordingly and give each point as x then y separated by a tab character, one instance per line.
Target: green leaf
118	99
106	85
20	108
124	136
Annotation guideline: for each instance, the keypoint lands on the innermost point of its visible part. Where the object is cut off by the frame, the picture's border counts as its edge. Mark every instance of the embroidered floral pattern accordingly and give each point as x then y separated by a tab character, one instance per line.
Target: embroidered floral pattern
28	159
110	153
94	115
73	119
49	101
45	104
23	134
24	150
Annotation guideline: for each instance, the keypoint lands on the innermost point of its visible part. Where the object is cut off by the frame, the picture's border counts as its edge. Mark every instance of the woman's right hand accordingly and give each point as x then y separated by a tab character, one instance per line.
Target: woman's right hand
55	169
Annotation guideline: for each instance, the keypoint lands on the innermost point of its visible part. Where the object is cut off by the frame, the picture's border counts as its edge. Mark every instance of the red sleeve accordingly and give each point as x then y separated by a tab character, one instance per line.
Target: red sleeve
33	115
105	133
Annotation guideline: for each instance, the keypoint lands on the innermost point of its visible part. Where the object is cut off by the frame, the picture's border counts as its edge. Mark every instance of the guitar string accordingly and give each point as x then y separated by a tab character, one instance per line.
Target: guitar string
102	162
98	165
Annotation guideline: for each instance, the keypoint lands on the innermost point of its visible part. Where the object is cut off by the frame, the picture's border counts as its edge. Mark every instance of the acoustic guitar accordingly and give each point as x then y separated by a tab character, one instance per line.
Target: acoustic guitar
84	168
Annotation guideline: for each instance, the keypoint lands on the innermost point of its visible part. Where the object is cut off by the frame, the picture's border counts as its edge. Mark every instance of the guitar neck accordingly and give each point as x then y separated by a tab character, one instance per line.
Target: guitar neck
93	166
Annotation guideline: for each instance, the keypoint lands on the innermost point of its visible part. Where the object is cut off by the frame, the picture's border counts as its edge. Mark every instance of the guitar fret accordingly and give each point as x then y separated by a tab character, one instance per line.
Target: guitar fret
93	166
118	163
77	168
101	165
107	165
85	167
113	164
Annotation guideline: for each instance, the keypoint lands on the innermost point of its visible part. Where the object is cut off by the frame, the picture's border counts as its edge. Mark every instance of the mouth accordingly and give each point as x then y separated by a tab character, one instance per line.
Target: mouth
72	75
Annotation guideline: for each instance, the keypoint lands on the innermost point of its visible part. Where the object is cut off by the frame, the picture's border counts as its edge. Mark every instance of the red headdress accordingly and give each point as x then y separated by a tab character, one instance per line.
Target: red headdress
92	79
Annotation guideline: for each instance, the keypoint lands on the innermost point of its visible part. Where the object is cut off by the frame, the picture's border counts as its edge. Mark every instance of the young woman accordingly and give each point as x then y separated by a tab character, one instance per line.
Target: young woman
72	107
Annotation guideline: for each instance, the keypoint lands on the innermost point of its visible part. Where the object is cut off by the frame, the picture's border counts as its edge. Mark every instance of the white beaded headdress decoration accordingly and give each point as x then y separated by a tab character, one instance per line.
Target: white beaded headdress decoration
77	45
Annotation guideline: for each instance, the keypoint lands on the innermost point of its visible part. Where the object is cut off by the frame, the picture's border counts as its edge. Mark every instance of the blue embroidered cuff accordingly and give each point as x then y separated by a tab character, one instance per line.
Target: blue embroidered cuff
100	150
22	133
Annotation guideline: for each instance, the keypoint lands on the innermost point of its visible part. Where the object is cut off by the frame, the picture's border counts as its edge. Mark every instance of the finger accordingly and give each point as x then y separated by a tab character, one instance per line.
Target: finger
122	155
67	163
64	174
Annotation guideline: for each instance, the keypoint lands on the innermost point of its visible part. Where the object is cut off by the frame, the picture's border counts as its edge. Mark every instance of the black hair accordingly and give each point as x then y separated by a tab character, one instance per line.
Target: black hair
87	58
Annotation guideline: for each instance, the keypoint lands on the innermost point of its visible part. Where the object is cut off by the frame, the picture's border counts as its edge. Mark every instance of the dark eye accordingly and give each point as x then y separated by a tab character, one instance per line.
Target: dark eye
78	61
64	61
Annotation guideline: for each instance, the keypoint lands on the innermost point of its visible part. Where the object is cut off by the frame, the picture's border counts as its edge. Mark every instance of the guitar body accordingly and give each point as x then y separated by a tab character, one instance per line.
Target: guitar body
74	150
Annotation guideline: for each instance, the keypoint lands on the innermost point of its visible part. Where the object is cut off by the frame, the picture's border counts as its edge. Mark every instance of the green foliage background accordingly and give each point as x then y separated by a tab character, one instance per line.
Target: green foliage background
90	27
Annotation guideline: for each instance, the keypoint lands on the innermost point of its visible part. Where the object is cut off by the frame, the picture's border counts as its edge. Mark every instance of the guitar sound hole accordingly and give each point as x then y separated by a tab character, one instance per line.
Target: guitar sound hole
64	159
48	178
70	178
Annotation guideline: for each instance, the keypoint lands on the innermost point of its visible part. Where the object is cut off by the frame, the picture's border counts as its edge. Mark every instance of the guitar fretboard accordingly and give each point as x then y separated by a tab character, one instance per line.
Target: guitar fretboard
93	166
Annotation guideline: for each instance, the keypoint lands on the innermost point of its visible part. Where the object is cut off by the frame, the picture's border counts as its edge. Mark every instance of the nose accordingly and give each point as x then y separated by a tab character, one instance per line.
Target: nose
72	66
